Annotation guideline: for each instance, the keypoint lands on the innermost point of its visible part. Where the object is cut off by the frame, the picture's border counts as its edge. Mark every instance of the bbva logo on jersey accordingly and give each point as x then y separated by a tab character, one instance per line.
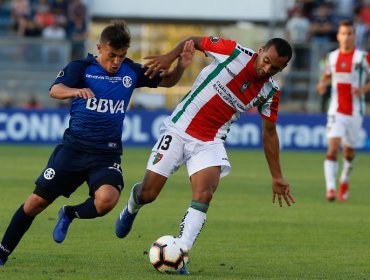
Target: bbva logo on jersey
105	105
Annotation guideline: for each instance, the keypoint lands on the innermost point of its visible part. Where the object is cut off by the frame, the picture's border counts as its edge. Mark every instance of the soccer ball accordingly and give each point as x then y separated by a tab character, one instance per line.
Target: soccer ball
167	254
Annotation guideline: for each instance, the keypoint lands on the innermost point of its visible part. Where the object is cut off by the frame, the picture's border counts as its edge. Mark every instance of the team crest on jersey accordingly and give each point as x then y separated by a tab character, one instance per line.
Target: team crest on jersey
60	74
214	39
127	81
157	158
49	173
343	65
244	86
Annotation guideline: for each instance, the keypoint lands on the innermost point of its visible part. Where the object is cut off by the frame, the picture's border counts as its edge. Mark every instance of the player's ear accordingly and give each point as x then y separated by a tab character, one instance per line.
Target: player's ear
261	49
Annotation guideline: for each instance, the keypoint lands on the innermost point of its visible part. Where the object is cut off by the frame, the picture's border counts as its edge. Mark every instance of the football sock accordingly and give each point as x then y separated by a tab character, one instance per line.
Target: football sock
85	210
201	206
346	170
133	203
330	172
18	226
191	226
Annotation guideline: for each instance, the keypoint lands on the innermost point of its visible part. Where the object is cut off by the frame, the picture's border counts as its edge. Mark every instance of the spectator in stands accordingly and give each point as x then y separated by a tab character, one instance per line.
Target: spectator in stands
20	9
54	32
77	12
41	6
362	31
52	52
365	11
28	27
5	102
32	103
322	25
60	17
61	5
298	28
43	15
5	17
344	9
308	7
78	35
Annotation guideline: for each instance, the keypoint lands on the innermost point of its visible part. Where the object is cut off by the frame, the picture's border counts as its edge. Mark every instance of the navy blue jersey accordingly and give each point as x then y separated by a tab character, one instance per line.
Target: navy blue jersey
96	123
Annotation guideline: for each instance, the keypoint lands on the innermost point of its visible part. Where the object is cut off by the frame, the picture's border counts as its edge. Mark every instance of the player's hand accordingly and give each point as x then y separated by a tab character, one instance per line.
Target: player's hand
163	62
157	63
280	188
321	88
187	54
84	93
358	91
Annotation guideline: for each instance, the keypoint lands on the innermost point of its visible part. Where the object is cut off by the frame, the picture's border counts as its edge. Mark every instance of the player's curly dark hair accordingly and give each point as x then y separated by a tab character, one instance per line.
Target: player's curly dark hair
117	35
282	47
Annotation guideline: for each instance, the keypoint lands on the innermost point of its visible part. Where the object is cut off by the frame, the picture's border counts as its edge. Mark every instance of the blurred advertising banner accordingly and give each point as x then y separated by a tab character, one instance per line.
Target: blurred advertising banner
141	128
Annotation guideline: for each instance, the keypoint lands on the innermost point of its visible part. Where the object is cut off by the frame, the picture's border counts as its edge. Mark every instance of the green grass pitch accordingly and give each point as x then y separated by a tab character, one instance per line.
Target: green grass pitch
245	236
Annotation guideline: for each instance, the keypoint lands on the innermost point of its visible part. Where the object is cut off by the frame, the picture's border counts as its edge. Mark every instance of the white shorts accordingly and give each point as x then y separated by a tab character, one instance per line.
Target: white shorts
348	128
173	150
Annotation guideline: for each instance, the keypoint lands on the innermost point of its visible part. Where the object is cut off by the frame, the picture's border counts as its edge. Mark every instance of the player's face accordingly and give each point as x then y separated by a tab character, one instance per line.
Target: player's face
111	59
346	37
268	62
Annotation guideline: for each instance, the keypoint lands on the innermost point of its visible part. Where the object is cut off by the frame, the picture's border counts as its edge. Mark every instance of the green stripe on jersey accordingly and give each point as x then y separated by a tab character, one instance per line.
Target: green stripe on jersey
209	78
359	84
269	95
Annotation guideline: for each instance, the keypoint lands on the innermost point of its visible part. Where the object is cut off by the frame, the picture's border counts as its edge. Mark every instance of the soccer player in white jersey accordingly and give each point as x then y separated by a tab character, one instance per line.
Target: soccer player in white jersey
237	80
348	68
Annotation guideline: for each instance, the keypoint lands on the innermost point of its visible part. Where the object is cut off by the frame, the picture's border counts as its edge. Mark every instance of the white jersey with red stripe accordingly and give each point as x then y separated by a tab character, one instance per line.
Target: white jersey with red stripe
222	91
347	71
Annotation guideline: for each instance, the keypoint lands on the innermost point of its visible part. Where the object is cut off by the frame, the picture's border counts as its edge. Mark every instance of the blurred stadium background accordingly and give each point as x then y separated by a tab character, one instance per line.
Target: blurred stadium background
38	37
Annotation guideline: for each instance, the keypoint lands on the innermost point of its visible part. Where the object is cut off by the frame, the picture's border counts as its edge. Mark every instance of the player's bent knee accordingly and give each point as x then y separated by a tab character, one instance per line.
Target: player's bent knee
105	204
35	205
203	196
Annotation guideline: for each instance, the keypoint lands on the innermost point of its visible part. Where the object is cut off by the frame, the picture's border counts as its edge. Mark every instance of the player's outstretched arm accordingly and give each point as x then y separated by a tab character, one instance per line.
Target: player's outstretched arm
61	91
163	62
172	76
280	187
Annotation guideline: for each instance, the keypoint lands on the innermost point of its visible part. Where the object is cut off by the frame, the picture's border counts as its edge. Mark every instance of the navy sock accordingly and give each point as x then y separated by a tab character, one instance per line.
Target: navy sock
18	226
86	210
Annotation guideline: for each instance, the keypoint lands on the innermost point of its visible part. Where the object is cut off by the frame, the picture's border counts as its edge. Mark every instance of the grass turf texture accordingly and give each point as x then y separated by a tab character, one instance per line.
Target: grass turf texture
245	237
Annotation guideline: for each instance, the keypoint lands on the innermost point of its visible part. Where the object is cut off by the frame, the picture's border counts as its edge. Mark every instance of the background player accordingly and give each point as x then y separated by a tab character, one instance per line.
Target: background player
100	88
348	69
236	80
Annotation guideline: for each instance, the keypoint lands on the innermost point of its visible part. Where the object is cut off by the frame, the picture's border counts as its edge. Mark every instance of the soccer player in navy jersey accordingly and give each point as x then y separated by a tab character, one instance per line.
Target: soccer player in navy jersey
100	88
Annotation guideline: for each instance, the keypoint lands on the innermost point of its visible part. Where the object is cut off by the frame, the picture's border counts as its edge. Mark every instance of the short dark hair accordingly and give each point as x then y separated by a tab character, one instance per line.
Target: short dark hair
346	22
282	47
117	35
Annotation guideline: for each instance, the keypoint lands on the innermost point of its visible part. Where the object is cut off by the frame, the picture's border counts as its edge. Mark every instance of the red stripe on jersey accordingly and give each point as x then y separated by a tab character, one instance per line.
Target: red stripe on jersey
246	75
368	58
215	113
344	64
344	99
218	45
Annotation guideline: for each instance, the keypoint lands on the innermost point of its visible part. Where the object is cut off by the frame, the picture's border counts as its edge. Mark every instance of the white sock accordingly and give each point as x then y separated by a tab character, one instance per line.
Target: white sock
330	172
132	206
346	171
191	226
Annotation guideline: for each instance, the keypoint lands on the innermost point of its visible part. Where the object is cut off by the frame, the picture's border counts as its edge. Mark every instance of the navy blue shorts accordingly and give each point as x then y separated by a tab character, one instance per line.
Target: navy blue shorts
69	168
